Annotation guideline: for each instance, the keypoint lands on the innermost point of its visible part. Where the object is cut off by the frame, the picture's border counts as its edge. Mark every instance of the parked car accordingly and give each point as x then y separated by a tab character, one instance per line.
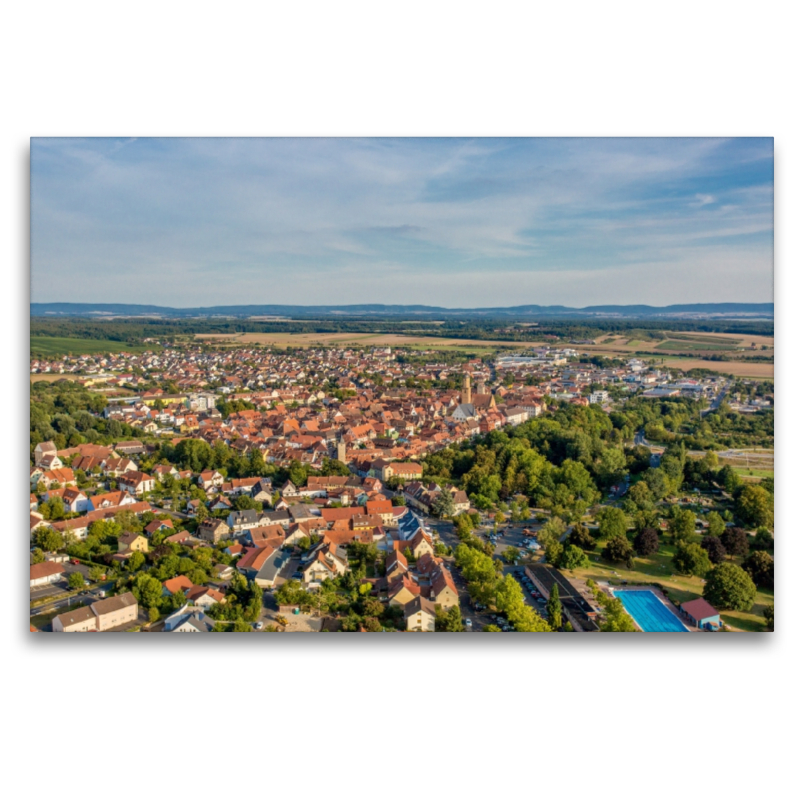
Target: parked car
468	622
259	626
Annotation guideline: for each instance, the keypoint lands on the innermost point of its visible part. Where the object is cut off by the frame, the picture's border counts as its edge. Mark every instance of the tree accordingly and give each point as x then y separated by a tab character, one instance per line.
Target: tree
618	550
48	539
736	542
763	540
646	542
147	590
511	555
491	629
691	559
37	556
581	537
641	495
135	562
730	587
682	523
554	607
449	620
715	549
153	614
499	518
612	522
754	506
716	525
553	552
760	566
96	573
443	505
572	557
75	580
769	617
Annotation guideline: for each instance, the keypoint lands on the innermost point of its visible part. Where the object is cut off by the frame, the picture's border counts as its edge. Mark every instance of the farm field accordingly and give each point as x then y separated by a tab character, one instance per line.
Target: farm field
741	369
361	339
60	345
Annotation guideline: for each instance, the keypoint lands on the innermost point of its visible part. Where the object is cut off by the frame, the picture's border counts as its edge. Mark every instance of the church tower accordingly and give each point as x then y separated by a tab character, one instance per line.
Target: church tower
467	389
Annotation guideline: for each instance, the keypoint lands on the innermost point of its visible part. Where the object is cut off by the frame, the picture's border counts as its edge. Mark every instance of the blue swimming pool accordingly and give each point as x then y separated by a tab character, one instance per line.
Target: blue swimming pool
649	613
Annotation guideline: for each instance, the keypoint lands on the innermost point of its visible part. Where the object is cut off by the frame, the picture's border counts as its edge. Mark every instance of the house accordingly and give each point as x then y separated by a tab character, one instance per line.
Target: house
43	449
204	596
242	520
384	509
701	614
403	590
184	621
396	565
180	583
159	525
262	564
460	500
137	483
132	543
110	500
100	616
213	530
443	590
44	573
81	620
115	611
406	470
420	615
327	561
210	478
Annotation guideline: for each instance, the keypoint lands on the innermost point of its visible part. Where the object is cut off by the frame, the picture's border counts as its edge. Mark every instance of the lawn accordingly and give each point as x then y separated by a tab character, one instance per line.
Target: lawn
61	345
658	569
41	620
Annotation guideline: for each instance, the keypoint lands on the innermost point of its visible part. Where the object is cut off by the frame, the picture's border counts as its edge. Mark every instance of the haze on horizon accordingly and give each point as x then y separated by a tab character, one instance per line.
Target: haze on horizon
442	222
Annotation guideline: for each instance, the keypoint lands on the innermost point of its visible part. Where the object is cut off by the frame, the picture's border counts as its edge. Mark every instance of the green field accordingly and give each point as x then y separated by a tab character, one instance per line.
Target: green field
59	346
674	344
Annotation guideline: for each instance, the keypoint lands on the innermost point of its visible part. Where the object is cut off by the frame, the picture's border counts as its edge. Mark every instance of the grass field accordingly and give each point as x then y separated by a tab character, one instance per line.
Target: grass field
680	344
659	569
59	346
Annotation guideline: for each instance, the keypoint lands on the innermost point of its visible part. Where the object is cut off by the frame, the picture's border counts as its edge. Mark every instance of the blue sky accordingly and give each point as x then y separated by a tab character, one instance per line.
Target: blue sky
450	222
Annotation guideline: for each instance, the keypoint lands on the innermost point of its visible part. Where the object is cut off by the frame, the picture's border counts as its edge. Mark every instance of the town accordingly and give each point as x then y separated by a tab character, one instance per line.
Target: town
199	487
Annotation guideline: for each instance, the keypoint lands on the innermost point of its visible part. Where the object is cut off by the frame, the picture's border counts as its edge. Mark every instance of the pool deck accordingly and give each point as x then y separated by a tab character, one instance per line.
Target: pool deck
608	589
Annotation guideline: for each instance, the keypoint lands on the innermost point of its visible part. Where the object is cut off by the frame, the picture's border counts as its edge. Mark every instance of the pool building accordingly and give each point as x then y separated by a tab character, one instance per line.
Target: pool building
701	614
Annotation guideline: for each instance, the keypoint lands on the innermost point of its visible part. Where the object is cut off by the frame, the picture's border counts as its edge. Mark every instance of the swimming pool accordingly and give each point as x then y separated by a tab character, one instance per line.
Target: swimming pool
649	613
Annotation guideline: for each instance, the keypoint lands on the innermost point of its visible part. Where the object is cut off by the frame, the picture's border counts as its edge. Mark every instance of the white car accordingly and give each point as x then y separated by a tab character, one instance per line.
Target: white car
259	626
468	623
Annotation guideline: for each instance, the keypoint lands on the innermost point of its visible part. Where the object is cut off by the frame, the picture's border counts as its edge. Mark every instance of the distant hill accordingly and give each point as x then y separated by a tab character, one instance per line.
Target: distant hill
690	311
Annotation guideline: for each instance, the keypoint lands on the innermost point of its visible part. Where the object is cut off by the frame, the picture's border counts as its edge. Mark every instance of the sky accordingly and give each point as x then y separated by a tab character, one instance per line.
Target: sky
460	223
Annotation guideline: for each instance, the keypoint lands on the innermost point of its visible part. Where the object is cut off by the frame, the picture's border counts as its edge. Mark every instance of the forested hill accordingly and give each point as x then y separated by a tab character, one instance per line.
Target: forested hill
689	311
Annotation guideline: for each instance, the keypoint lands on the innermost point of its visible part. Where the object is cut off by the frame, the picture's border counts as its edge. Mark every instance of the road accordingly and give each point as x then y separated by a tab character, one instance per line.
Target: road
509	536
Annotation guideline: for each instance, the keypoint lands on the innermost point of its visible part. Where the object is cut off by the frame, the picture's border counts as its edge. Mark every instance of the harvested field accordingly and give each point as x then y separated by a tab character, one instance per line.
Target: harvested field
359	339
741	369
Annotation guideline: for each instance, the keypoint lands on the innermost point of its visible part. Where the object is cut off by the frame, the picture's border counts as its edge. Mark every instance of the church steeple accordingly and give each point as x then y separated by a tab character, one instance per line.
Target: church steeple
467	388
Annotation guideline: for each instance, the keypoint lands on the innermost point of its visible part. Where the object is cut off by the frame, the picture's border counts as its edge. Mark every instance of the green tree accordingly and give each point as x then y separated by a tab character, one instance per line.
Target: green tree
728	586
754	506
682	523
769	617
716	525
554	606
443	505
691	559
619	550
75	580
760	566
511	554
449	620
147	590
37	556
135	562
48	539
581	537
153	614
573	557
612	522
